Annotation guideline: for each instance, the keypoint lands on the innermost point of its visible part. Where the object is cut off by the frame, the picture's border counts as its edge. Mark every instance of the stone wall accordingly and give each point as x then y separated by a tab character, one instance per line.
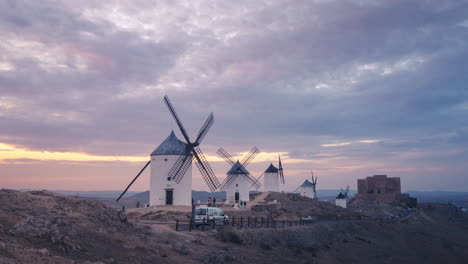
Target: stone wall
383	189
379	184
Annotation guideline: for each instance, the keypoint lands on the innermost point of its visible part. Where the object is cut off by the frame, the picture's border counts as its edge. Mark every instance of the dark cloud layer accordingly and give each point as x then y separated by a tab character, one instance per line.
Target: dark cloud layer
288	76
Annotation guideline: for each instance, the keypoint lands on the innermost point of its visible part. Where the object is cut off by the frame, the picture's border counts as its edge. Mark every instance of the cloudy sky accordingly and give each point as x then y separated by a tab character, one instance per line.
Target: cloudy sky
347	89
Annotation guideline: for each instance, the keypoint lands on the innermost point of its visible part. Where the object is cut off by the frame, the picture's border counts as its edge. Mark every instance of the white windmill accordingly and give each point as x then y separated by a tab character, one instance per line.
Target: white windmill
171	166
273	180
342	198
238	180
307	188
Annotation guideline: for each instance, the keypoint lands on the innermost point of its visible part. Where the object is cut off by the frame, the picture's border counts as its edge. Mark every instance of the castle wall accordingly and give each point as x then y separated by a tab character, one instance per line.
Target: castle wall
379	184
383	189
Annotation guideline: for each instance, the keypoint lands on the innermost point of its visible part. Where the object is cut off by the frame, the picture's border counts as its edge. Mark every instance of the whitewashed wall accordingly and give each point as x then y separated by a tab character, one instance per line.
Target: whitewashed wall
160	167
307	192
240	185
341	202
271	182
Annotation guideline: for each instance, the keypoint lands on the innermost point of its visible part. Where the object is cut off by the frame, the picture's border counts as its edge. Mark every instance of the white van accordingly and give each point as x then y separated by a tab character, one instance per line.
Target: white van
210	214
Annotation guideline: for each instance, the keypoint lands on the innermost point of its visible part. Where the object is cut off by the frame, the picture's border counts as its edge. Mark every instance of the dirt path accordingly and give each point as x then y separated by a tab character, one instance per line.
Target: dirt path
259	198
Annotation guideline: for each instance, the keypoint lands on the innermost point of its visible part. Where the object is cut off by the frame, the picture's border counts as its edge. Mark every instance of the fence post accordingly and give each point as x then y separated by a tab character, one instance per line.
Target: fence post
242	222
256	222
214	223
233	220
283	223
190	225
203	224
248	221
262	221
177	225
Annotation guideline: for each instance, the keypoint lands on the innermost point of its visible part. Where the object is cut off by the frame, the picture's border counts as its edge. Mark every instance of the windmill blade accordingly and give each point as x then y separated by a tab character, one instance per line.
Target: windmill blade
204	129
177	119
282	176
252	181
134	179
254	152
257	180
232	177
280	169
297	189
221	186
205	169
180	167
226	156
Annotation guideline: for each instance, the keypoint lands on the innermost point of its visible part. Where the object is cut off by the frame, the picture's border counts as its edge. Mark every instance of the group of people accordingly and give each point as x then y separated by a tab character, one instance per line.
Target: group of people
211	202
242	204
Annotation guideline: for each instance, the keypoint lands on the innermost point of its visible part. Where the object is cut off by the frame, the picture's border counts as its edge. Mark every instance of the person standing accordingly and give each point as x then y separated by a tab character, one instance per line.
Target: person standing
209	201
245	204
214	201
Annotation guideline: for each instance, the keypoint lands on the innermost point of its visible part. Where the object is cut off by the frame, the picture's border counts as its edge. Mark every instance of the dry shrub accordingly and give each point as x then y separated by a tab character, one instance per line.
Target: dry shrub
228	234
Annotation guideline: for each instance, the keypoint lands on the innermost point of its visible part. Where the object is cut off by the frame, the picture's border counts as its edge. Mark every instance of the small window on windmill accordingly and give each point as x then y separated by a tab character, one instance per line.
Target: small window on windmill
165	159
237	185
168	178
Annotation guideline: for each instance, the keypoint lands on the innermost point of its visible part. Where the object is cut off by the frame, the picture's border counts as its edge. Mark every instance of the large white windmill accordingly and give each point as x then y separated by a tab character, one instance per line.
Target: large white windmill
238	180
171	166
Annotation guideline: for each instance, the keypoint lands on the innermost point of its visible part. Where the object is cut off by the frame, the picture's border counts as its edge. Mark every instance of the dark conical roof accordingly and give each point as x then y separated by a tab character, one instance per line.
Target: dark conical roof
237	168
170	146
307	183
341	196
271	169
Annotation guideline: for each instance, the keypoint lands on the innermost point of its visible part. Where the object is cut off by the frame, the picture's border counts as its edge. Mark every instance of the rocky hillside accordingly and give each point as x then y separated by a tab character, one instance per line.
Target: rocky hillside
295	206
42	227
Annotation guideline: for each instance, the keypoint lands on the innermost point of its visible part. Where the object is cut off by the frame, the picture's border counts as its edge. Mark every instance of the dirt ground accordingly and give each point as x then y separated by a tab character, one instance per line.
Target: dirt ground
281	205
42	227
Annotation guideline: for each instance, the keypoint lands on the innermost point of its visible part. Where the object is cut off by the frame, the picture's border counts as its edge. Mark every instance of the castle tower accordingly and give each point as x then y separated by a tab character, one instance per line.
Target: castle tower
271	179
163	190
238	189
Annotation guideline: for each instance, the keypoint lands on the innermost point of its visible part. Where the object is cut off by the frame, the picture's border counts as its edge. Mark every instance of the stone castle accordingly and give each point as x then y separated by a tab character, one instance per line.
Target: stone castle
383	189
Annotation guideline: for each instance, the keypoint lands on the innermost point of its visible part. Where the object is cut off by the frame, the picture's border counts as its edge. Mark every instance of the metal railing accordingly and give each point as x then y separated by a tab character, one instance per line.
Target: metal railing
250	222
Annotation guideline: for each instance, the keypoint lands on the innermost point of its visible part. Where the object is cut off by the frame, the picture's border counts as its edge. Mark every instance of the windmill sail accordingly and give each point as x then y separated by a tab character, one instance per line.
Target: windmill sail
134	179
179	168
280	169
238	168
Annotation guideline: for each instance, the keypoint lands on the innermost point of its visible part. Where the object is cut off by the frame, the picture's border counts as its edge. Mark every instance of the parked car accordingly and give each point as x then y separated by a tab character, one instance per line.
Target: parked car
209	214
308	218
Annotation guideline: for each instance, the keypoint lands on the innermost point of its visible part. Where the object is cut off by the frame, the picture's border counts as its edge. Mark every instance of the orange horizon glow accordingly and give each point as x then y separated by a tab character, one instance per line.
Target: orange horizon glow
12	152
